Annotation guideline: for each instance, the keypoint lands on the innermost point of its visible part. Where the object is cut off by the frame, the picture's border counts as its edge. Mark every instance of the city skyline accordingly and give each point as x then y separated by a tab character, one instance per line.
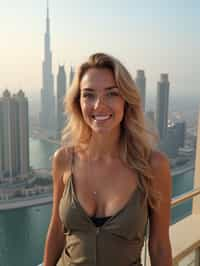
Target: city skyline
159	39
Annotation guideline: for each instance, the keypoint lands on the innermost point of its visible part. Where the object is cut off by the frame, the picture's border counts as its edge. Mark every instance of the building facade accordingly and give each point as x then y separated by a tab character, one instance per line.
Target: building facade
140	82
162	106
61	91
14	136
71	75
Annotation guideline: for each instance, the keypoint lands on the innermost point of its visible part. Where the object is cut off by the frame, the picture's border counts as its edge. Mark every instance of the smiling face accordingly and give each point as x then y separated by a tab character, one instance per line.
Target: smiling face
101	104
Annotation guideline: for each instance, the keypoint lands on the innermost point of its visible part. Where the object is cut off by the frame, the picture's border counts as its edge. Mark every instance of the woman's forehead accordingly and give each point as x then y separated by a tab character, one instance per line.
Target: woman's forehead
95	78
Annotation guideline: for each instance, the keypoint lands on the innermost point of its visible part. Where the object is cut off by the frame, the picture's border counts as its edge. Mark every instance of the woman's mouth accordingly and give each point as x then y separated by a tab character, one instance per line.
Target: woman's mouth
101	117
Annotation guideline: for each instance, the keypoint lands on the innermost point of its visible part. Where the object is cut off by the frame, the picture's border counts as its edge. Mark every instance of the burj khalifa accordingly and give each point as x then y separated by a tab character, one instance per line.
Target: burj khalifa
47	113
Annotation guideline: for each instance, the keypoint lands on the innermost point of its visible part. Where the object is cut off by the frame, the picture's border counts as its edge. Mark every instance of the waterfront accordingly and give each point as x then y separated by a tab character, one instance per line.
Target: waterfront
41	152
23	231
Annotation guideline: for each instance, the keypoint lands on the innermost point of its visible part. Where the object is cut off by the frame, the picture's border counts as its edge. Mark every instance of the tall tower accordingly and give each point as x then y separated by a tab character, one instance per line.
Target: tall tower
23	120
141	85
61	90
162	105
47	114
71	75
14	135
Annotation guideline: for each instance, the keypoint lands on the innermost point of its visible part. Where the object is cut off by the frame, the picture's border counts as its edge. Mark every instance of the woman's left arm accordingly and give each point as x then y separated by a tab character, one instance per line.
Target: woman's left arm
159	219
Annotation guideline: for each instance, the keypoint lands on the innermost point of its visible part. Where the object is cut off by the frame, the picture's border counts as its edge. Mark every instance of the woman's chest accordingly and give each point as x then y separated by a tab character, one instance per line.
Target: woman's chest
103	190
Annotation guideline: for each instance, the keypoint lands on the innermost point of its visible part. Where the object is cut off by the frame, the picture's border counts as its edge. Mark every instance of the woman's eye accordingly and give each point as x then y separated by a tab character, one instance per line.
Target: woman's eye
113	93
88	95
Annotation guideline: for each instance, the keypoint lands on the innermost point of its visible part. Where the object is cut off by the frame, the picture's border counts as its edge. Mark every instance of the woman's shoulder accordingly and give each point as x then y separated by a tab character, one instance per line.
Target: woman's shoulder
61	161
160	166
157	159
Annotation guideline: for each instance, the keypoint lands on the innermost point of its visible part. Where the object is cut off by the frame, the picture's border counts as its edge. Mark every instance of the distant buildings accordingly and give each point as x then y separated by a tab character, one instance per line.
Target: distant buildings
180	128
196	200
172	137
47	114
162	105
51	118
61	90
71	75
150	119
141	85
175	139
14	135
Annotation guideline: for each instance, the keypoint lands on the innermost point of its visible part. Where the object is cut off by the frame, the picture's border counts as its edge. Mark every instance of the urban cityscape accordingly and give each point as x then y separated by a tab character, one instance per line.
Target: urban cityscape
28	141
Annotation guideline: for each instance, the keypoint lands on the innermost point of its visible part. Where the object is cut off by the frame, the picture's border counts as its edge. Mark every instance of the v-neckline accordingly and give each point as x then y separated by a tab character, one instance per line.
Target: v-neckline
112	217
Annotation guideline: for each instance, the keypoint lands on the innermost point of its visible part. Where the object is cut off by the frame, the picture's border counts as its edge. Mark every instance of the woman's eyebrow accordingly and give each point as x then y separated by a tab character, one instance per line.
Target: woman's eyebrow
107	88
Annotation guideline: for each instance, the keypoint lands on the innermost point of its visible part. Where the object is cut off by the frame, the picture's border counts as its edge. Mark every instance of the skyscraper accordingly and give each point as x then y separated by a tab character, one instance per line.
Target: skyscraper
141	85
181	132
196	200
61	90
150	120
71	75
14	136
47	114
162	105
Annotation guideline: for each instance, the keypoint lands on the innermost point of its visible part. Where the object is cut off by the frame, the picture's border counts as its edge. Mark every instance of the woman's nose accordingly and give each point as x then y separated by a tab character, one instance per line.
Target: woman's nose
99	101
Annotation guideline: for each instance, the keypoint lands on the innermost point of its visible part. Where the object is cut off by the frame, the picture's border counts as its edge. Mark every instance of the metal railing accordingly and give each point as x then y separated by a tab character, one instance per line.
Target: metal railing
185	196
175	201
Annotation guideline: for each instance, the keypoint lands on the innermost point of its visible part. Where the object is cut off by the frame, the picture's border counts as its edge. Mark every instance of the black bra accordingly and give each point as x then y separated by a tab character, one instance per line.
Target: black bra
99	221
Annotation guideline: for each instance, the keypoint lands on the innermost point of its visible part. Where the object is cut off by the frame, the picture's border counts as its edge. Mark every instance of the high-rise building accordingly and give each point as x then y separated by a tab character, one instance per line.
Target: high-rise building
162	106
71	75
175	139
141	85
61	90
196	182
150	119
47	114
14	136
181	132
170	145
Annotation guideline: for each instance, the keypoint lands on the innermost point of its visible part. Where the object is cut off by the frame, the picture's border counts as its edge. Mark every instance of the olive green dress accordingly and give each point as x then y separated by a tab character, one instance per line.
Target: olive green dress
118	242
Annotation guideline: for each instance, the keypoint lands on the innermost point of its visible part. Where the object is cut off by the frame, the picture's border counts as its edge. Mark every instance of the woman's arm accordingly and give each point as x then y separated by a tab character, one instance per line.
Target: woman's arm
159	242
55	239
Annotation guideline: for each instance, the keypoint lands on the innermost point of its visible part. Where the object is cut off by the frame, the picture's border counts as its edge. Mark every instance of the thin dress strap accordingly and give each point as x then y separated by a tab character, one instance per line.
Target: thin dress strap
69	185
72	160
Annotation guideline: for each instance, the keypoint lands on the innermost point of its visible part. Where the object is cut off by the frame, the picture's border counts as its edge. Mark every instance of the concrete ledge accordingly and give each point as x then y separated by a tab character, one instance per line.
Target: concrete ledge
185	236
27	202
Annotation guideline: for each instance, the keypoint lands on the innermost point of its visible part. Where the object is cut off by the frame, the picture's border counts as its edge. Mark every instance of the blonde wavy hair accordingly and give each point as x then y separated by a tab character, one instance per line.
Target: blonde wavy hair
136	139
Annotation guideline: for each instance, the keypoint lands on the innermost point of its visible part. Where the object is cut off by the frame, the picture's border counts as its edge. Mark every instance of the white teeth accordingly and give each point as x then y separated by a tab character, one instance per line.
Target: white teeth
102	117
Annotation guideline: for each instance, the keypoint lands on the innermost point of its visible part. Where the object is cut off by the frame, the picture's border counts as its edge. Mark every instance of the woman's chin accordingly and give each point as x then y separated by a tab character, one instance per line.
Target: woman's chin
101	130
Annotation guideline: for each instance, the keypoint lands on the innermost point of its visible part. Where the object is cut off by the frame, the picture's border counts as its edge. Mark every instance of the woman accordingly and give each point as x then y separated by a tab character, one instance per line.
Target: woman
107	179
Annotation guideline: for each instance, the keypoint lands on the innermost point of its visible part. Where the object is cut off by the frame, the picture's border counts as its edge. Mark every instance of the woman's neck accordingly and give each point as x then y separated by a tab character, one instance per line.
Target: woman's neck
104	146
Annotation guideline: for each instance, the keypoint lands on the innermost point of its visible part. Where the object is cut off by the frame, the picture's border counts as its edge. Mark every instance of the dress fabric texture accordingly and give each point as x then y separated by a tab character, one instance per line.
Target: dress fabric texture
118	242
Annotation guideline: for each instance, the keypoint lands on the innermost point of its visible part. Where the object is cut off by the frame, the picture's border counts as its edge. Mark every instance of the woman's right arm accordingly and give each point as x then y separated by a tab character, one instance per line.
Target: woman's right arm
55	239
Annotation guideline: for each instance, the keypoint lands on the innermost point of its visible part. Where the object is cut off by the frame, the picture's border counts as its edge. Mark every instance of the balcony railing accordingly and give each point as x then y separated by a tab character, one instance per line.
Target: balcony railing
185	250
185	196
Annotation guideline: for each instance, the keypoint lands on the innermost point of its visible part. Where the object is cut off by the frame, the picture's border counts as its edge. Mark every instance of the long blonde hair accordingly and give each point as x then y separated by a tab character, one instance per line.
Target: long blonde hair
136	140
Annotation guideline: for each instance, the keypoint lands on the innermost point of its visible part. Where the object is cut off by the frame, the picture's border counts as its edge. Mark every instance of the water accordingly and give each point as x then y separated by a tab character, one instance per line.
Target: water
22	235
40	153
23	231
181	184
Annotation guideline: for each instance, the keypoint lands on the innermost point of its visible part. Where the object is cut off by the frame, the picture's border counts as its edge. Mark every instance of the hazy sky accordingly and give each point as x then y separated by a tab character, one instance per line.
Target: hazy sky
157	36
